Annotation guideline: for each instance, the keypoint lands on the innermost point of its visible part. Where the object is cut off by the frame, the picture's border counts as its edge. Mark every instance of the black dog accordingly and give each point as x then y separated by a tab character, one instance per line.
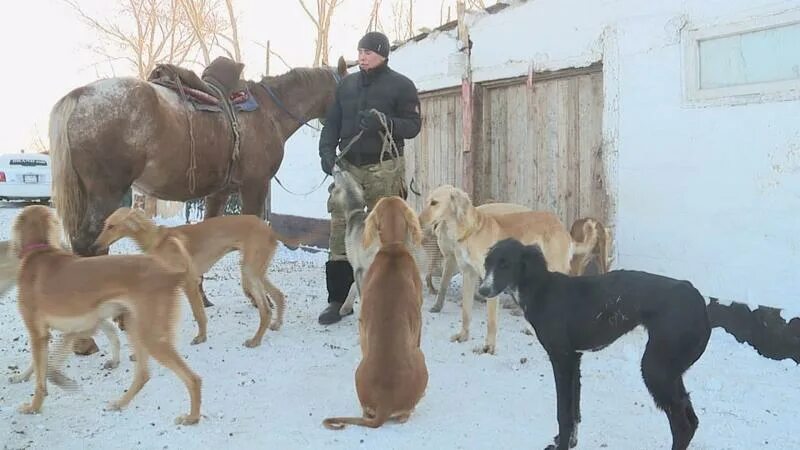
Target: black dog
576	314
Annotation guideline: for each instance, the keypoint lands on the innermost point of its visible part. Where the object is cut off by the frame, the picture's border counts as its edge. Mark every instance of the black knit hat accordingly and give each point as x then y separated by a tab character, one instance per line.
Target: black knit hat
375	41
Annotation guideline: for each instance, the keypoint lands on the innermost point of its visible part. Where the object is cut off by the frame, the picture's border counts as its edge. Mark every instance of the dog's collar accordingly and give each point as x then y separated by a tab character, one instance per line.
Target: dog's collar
31	247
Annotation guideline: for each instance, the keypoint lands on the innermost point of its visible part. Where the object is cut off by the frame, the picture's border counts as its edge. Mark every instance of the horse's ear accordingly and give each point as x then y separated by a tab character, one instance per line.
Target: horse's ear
341	66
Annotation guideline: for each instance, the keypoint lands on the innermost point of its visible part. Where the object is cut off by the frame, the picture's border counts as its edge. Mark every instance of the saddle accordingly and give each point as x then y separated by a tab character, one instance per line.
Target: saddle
219	89
220	83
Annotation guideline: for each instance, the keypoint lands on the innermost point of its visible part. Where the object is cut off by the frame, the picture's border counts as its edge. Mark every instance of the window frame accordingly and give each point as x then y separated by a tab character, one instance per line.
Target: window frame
743	93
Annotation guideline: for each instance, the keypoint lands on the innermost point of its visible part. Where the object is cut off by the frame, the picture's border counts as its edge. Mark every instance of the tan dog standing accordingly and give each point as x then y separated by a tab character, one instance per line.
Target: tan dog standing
207	242
72	294
474	232
392	376
447	245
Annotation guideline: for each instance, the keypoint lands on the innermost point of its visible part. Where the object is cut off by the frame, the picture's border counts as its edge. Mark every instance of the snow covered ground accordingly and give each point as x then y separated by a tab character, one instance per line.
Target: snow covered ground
276	396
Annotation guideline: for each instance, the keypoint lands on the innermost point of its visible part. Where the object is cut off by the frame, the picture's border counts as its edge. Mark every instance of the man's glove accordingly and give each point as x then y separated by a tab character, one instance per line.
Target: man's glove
328	160
370	122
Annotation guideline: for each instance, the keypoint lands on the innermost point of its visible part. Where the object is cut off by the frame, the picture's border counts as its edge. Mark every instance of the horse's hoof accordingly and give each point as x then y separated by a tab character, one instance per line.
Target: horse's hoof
275	326
111	364
198	340
85	347
436	308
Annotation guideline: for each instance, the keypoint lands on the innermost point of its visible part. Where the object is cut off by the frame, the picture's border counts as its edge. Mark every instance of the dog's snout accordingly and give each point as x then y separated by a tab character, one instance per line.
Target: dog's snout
484	290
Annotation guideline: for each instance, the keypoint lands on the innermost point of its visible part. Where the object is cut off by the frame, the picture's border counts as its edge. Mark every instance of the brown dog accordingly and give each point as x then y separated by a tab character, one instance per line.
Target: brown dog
63	291
392	376
207	242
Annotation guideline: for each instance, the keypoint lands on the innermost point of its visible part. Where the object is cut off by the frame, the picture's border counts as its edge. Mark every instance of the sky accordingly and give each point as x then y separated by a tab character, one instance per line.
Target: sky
45	48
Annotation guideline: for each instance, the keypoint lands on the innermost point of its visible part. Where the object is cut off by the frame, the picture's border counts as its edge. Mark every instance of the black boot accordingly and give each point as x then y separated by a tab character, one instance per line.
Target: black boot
339	277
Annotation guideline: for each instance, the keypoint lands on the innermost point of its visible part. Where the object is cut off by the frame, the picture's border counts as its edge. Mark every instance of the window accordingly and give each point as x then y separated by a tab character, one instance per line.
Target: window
755	60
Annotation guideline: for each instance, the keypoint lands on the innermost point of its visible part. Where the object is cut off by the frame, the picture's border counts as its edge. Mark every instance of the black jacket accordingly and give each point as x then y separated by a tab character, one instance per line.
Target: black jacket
383	89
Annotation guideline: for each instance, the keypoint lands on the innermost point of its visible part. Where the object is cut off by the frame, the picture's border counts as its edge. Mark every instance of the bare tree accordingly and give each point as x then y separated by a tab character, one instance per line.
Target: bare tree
403	20
322	21
234	38
38	144
144	33
147	32
374	23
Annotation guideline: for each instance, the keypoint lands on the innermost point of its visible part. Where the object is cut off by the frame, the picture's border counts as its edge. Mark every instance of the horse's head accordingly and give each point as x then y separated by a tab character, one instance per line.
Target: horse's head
303	93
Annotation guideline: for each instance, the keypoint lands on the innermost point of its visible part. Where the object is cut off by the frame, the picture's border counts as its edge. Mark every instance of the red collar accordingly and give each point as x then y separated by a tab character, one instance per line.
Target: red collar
31	247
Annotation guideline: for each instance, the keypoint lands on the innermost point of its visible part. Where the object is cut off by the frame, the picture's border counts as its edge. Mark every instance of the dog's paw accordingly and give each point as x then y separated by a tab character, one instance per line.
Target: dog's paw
252	343
187	420
18	378
198	340
114	406
28	408
64	382
111	364
463	336
573	441
436	308
484	349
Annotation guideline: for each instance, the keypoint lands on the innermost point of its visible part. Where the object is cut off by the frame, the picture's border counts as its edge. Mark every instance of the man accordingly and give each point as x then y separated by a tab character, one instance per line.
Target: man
359	132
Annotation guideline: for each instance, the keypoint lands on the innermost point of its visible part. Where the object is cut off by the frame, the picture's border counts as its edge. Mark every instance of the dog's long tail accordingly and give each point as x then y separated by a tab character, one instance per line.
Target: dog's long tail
290	243
591	237
338	423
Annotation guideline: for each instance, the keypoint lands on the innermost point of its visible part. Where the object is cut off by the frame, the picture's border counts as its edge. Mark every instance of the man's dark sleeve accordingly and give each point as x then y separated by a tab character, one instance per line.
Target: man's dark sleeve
329	137
406	123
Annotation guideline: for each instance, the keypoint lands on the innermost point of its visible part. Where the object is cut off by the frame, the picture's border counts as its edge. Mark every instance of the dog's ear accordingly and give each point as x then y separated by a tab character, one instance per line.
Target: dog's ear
371	228
532	262
460	202
136	220
413	225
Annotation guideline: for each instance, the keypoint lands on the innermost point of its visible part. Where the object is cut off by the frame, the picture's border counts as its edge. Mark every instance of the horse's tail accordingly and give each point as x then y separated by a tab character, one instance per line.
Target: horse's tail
69	196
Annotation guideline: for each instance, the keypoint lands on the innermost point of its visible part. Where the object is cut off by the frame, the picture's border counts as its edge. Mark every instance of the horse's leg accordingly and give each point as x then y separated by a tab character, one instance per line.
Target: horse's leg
214	206
100	206
215	203
253	196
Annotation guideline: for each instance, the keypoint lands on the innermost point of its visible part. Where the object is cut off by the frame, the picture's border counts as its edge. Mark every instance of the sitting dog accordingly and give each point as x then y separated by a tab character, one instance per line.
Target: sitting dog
62	291
474	232
348	196
207	242
392	376
577	314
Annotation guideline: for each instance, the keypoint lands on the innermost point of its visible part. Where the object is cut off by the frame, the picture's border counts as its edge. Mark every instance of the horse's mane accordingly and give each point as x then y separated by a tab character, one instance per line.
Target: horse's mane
306	76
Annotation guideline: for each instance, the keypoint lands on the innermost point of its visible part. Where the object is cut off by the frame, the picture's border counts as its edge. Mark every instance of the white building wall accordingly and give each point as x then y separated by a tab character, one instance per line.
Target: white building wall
708	192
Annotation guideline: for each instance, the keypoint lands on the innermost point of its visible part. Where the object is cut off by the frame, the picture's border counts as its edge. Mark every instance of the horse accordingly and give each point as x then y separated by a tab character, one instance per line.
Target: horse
115	133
